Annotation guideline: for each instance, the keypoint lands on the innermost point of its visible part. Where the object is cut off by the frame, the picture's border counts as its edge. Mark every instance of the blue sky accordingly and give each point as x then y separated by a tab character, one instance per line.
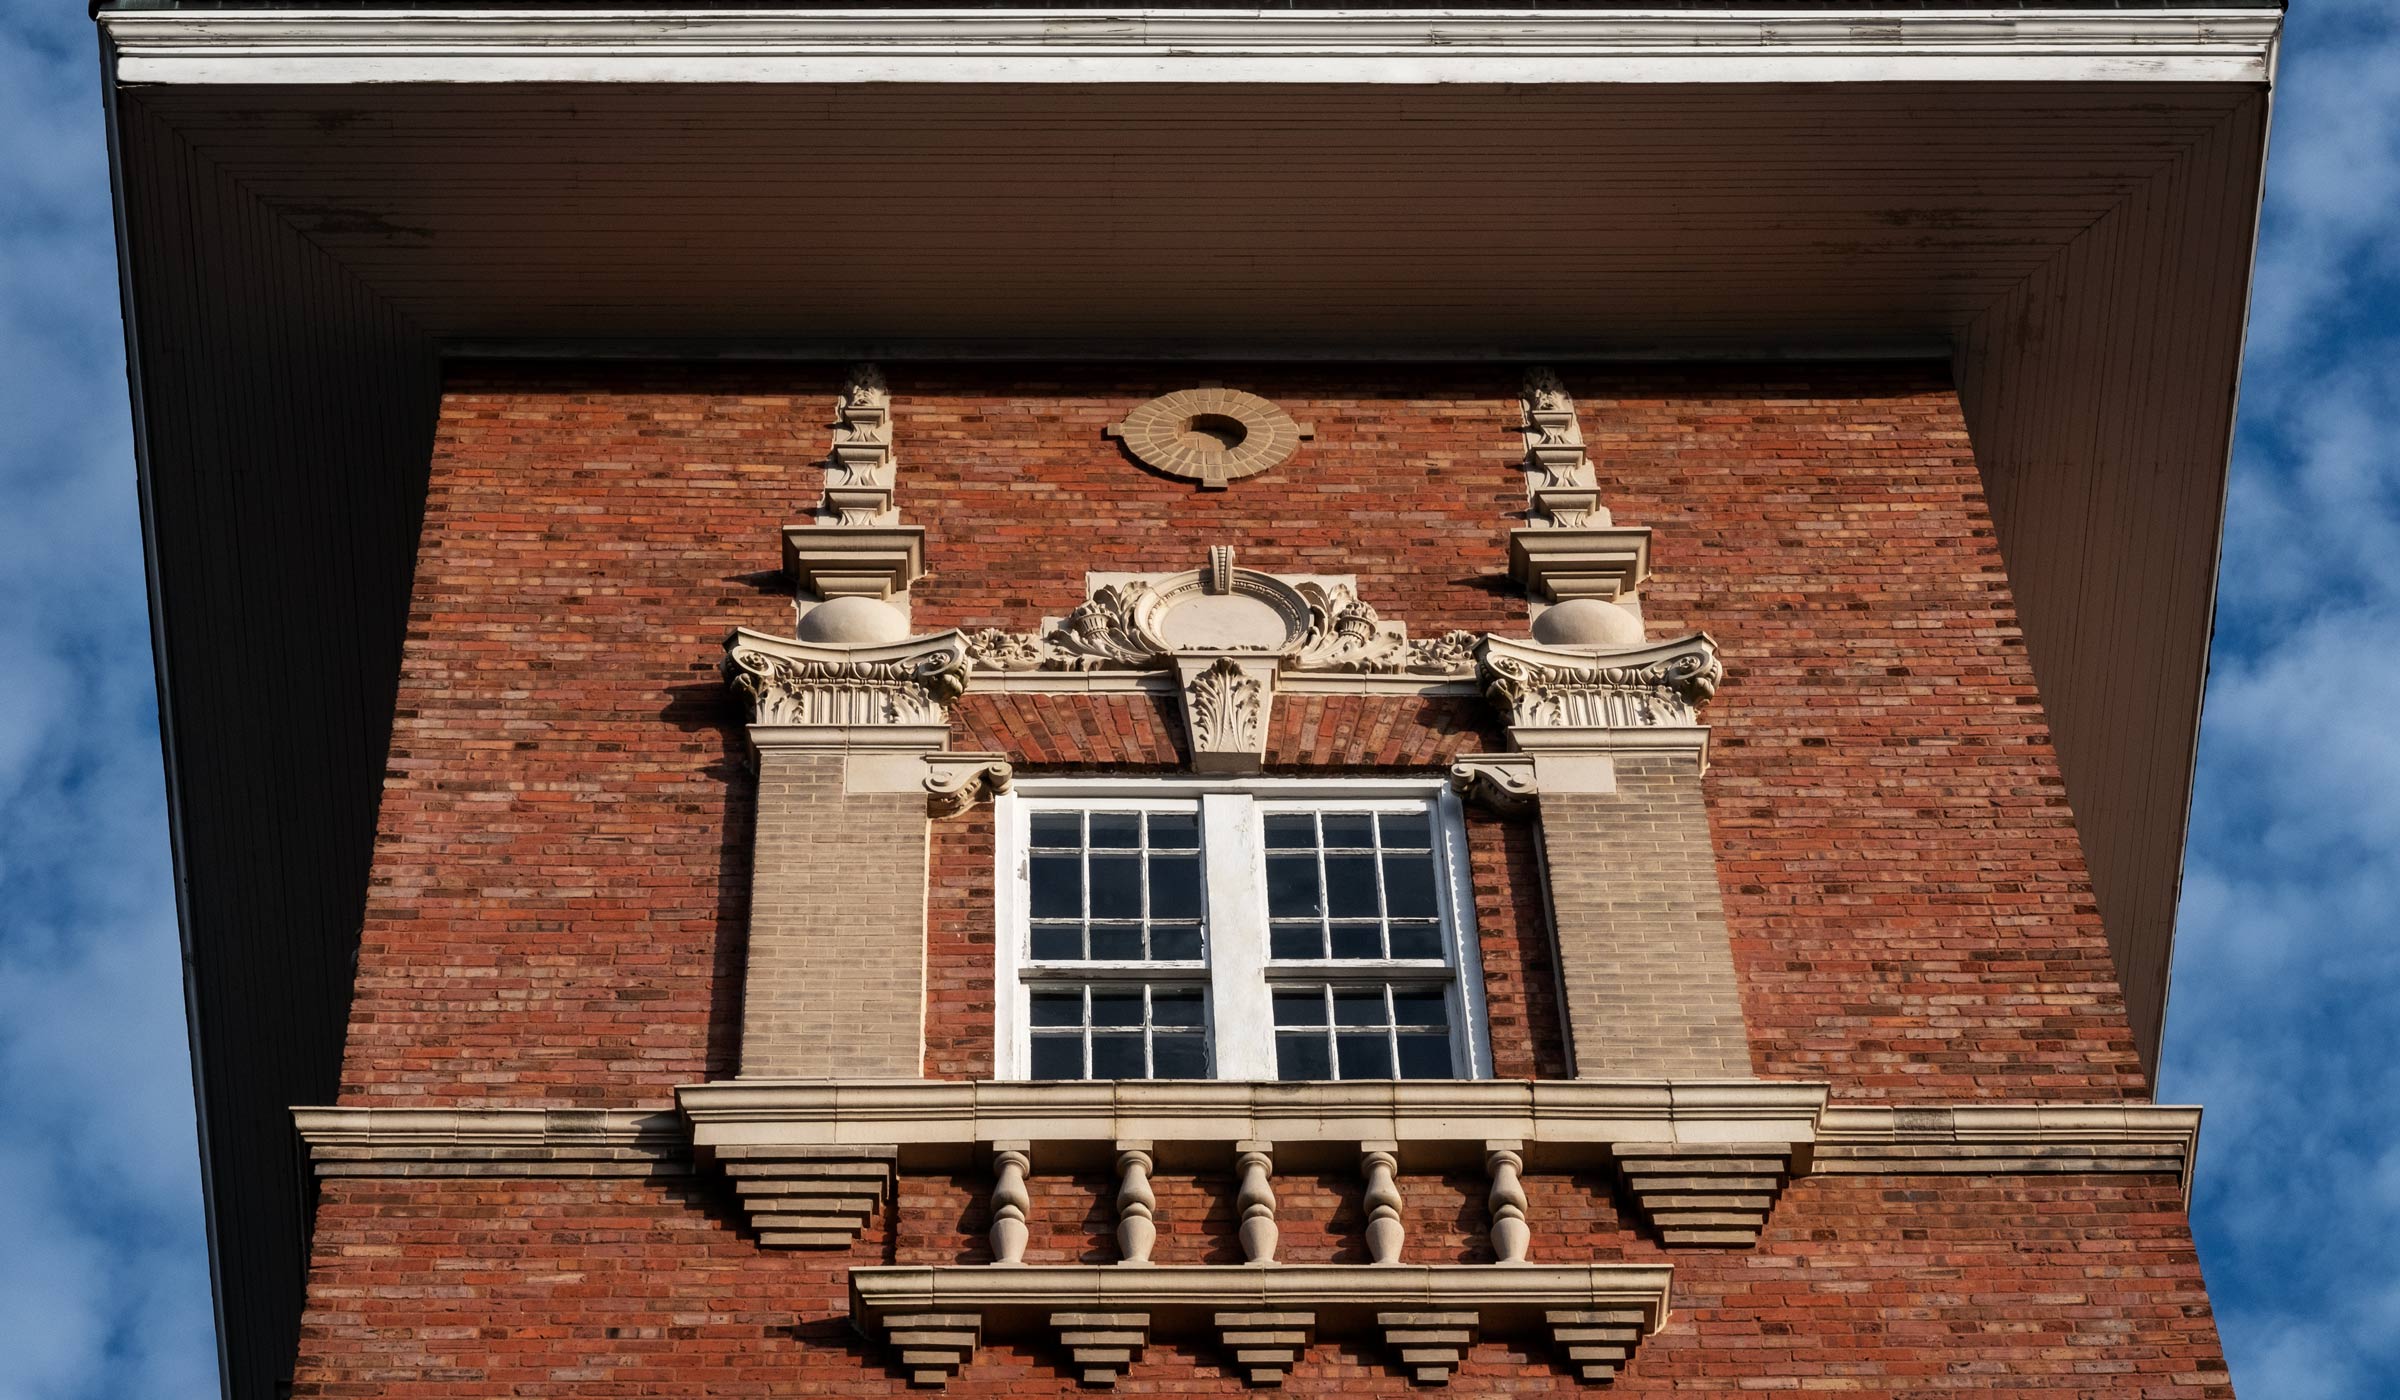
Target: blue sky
2286	1005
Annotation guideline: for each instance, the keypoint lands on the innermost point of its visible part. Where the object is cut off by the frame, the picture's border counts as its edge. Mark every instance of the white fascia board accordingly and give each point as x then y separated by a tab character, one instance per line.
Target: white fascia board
1189	46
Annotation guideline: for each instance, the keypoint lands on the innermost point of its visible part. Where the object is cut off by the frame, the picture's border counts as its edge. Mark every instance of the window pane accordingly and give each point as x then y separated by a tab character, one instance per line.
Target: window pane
1057	942
1058	829
1174	887
1117	942
1116	886
1365	1055
1179	1056
1292	887
1407	830
1117	1008
1297	942
1117	1056
1174	831
1118	829
1420	1006
1425	1057
1057	886
1300	1006
1349	829
1408	886
1360	1008
1058	1008
1291	832
1416	940
1350	886
1058	1057
1175	942
1302	1056
1358	940
1176	1009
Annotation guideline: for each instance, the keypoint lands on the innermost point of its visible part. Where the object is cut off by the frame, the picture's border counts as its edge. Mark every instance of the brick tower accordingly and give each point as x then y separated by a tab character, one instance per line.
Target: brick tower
1188	701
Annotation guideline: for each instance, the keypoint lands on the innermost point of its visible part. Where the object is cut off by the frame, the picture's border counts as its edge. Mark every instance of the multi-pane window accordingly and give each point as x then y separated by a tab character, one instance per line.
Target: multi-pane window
1267	929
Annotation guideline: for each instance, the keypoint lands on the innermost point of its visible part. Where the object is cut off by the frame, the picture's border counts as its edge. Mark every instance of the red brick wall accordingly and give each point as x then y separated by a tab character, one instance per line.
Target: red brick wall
2046	1287
558	902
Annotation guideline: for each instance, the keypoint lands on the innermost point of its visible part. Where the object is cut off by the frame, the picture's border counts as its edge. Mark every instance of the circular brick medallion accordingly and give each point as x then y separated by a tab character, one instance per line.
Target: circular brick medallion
1211	436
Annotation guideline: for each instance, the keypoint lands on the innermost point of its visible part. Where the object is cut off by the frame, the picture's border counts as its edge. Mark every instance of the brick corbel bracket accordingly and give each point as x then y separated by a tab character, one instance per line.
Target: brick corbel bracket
1259	1317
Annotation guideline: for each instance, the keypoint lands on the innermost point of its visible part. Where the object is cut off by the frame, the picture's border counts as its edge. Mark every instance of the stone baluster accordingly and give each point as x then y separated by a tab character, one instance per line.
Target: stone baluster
1378	1162
1010	1202
1504	1163
1255	1201
1137	1204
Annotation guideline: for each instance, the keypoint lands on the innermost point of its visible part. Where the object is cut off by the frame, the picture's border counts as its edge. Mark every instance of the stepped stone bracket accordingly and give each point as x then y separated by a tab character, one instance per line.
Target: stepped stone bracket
1705	1193
1265	1316
854	561
805	1199
1599	1342
1558	564
1102	1345
933	1346
1265	1346
955	782
1562	490
1429	1344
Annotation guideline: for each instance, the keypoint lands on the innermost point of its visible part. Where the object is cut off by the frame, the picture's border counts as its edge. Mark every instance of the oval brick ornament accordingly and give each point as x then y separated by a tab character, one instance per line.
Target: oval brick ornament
1212	436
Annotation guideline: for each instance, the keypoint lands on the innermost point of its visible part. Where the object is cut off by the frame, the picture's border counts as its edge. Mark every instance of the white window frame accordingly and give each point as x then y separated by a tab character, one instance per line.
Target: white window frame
1240	1016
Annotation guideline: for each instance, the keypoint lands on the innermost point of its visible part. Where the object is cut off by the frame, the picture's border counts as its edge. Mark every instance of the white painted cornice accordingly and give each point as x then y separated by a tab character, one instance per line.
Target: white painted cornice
1187	46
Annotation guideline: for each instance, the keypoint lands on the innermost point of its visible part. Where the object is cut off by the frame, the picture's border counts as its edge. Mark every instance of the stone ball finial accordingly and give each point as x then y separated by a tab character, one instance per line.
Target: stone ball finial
1588	622
853	622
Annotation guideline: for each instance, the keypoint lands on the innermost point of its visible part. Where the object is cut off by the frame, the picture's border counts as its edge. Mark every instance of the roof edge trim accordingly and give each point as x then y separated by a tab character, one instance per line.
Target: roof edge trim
1186	46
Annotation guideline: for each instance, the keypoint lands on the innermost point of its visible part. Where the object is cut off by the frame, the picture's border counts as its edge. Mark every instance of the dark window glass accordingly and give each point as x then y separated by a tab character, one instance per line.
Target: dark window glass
1408	886
1058	1008
1300	1007
1358	940
1116	886
1302	1056
1292	887
1057	942
1174	887
1349	829
1416	940
1058	1057
1057	887
1419	1006
1117	1055
1176	1009
1407	830
1178	1056
1058	829
1117	1008
1291	832
1350	886
1117	942
1424	1056
1174	831
1365	1055
1296	942
1175	942
1116	829
1361	1008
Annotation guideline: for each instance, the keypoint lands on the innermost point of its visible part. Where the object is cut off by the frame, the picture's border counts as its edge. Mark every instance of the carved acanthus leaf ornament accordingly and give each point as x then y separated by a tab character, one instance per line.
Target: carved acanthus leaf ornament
1542	687
789	682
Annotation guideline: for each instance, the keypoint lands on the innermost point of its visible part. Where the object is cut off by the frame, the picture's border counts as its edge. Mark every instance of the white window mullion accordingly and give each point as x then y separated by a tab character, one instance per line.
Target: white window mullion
1473	1032
1012	1054
1243	1015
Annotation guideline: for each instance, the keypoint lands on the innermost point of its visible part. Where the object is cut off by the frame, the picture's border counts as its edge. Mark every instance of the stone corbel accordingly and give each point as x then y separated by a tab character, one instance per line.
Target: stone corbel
854	561
955	782
1541	689
1227	697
